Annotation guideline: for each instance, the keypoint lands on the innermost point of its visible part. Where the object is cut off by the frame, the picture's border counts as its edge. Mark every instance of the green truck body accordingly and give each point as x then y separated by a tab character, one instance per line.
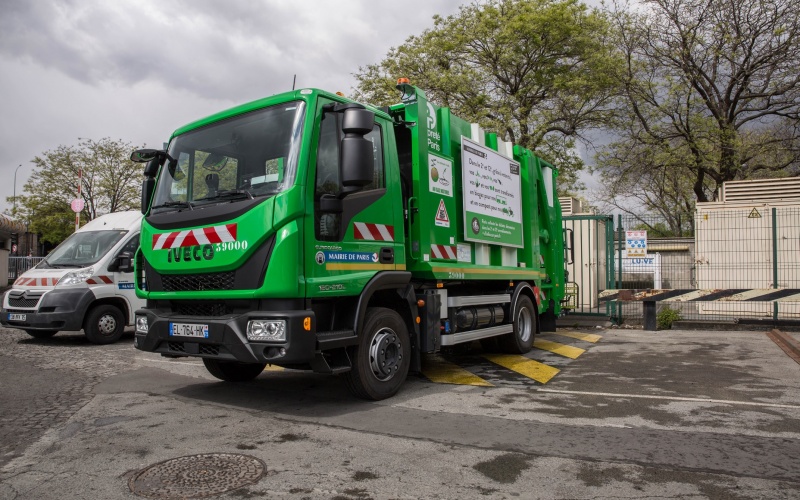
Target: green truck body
308	231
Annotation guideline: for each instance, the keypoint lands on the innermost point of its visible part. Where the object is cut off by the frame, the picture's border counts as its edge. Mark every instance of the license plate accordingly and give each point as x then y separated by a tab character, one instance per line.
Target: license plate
188	330
17	317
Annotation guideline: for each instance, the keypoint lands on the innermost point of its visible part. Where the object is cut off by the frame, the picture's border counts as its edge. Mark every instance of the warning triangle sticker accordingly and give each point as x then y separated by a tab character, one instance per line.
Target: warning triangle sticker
754	214
441	215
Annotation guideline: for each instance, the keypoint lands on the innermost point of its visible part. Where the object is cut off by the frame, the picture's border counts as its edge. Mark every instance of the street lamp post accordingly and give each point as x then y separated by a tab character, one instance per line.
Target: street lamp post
15	190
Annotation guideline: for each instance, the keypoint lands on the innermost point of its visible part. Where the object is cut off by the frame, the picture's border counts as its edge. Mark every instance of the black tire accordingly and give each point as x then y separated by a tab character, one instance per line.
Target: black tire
41	334
233	371
382	357
526	327
104	324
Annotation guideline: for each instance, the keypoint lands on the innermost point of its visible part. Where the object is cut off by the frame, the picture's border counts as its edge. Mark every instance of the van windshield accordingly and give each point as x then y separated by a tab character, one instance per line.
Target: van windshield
240	158
82	249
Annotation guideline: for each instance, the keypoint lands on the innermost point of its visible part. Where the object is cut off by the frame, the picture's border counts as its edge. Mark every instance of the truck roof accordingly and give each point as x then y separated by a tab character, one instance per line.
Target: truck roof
117	220
300	94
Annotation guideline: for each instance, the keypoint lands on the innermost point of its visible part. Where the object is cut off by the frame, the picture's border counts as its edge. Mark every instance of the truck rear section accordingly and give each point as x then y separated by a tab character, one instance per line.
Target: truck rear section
308	231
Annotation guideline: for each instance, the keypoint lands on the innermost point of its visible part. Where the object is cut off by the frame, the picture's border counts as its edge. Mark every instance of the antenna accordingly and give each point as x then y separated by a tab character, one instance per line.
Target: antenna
294	80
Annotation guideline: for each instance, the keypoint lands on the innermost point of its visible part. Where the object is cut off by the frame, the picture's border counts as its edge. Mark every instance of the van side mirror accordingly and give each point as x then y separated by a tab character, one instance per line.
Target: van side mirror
122	263
357	159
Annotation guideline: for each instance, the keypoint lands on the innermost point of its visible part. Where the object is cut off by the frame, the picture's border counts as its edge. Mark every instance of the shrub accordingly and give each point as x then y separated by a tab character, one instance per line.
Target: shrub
666	317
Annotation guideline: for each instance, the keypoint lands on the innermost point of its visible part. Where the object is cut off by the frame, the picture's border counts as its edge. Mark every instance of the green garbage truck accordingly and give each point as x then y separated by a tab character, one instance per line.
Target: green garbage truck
306	230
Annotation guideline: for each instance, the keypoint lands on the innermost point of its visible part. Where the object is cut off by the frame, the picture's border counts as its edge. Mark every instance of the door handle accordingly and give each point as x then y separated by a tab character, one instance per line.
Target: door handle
387	255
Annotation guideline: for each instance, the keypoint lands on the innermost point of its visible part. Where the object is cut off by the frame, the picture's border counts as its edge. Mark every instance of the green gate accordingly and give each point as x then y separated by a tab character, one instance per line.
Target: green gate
590	263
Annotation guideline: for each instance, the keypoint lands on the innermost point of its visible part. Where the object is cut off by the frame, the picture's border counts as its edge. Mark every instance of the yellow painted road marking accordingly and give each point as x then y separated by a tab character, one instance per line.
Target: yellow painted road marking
586	337
440	371
273	368
539	372
560	349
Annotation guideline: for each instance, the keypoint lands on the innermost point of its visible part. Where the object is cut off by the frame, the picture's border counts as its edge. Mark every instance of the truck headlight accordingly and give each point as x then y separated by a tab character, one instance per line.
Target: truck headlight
76	277
266	329
141	324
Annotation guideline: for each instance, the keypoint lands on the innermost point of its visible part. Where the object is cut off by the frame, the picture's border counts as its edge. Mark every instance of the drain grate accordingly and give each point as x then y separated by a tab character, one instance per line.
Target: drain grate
197	476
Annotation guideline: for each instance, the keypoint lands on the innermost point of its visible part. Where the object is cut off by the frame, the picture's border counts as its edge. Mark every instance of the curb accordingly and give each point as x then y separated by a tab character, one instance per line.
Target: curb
785	341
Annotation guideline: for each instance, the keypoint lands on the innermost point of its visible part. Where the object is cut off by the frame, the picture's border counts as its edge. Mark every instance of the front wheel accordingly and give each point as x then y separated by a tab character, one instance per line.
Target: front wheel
233	371
520	340
104	324
382	357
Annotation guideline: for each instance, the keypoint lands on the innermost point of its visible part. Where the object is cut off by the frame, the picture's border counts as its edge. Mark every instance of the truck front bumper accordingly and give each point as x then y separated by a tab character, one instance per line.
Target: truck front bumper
227	337
59	309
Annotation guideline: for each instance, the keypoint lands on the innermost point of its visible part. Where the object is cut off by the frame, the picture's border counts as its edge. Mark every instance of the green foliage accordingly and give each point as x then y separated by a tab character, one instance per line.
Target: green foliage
710	94
538	72
666	317
110	182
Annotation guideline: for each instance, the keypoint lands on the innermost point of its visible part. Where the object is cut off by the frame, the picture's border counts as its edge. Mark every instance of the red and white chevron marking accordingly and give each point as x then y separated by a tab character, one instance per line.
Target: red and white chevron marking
100	280
36	281
373	232
444	252
193	237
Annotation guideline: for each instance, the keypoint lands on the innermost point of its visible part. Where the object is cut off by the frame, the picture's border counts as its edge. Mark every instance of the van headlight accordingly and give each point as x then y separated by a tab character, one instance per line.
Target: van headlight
266	329
76	277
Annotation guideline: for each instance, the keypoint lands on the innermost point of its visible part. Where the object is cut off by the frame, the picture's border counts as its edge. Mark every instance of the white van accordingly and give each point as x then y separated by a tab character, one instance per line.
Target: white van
85	283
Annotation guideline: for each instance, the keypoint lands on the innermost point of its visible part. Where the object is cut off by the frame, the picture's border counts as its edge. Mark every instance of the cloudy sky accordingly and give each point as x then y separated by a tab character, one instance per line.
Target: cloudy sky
137	70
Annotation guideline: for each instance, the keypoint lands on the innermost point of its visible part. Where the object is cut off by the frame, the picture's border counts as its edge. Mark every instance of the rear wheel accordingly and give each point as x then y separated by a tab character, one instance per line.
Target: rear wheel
41	334
382	357
233	371
104	324
520	340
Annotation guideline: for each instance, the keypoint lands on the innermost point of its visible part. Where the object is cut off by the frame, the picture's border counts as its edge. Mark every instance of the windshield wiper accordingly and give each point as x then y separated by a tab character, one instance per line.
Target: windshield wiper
234	193
184	204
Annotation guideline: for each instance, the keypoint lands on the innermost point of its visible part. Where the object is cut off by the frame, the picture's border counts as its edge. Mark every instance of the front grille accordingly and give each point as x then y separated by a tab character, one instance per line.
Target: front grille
198	282
23	302
176	346
209	349
202	309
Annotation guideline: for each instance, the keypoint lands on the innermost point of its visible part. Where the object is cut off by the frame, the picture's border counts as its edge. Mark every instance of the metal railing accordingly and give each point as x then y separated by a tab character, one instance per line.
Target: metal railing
750	251
18	265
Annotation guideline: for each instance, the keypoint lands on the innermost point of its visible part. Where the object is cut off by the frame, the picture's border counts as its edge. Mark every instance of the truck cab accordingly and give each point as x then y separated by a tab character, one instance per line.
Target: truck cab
309	231
85	283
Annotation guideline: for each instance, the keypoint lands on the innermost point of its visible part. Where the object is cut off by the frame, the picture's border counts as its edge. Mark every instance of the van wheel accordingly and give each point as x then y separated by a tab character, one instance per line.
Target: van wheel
526	327
382	357
41	334
104	324
232	371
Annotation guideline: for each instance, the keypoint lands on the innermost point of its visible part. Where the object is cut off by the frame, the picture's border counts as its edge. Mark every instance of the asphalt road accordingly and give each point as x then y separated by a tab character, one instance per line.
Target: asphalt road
678	414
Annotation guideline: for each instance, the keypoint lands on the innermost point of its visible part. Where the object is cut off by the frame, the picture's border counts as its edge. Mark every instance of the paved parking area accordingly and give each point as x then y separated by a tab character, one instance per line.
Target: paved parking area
675	414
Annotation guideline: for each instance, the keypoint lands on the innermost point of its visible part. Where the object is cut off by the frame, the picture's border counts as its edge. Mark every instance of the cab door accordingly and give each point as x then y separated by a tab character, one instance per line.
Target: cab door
366	237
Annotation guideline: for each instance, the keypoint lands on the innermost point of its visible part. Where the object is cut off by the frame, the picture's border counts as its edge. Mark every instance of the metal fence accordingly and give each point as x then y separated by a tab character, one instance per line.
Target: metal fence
744	251
18	265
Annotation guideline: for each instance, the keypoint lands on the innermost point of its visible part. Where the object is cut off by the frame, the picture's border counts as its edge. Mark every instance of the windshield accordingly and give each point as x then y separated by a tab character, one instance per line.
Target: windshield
83	249
243	157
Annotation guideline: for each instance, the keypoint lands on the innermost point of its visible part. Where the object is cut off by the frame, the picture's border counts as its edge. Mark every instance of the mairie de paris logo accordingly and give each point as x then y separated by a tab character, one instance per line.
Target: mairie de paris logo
320	257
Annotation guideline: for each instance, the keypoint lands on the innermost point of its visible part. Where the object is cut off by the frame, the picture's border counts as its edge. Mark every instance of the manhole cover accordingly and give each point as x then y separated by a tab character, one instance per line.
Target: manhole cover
197	476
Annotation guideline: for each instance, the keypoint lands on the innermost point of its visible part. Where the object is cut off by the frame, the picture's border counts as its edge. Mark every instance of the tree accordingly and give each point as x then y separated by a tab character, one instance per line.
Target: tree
536	71
711	94
110	182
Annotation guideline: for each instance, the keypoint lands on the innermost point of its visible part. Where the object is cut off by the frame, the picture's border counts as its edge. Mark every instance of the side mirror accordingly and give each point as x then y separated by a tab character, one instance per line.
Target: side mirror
122	263
151	168
145	155
357	157
148	187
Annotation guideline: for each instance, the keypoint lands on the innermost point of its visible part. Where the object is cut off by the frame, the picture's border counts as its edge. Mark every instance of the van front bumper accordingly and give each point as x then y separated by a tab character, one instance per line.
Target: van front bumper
58	309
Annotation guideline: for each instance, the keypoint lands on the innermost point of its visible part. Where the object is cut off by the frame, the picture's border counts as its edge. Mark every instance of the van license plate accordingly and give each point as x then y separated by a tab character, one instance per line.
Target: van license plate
188	330
17	317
